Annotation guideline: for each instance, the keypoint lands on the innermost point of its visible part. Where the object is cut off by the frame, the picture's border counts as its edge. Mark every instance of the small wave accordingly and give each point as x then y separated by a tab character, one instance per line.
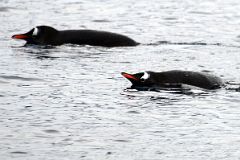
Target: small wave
191	44
184	43
3	81
101	20
232	86
192	91
51	131
19	78
19	152
5	9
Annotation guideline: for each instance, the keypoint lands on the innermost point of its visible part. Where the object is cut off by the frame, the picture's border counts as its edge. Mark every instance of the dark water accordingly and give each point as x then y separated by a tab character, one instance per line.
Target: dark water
70	102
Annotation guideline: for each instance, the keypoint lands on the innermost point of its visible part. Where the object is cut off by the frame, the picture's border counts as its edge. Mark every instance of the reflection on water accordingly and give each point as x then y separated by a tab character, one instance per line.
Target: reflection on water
71	101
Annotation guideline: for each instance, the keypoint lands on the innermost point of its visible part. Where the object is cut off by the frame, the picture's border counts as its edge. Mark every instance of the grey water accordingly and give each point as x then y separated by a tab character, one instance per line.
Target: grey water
71	102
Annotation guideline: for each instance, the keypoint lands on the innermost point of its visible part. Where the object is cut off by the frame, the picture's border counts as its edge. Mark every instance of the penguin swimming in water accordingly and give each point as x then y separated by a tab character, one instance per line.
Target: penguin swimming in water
173	79
46	35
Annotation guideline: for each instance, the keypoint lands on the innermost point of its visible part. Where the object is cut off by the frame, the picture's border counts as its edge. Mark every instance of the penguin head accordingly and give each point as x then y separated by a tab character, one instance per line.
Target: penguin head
141	79
42	35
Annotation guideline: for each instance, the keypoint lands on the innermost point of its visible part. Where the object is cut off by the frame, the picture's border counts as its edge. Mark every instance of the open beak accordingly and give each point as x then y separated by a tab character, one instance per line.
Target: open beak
20	36
130	77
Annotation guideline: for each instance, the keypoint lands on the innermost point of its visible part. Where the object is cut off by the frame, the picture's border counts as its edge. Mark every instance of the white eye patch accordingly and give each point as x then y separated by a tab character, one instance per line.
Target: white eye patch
35	31
145	76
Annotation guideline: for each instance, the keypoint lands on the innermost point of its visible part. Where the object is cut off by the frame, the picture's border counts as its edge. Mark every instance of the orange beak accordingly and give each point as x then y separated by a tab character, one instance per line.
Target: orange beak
129	76
19	36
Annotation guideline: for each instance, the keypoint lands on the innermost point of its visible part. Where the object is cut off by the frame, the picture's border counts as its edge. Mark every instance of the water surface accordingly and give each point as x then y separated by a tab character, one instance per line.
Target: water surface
71	102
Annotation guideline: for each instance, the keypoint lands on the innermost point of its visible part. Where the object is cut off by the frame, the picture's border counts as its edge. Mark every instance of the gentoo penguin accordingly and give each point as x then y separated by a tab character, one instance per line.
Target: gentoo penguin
45	35
173	79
